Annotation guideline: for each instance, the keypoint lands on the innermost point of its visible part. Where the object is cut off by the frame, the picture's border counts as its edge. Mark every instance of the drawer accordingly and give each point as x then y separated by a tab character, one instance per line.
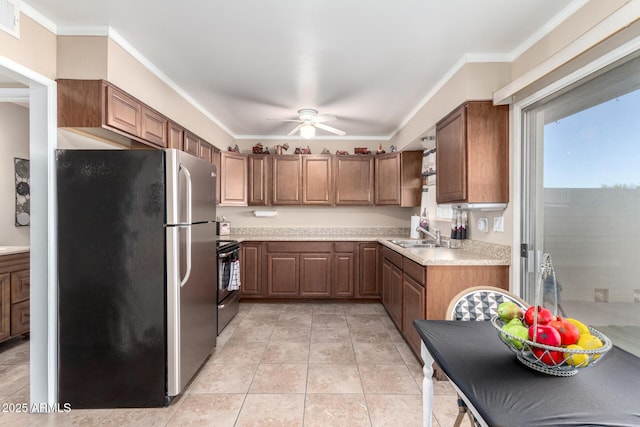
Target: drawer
414	270
299	247
394	257
345	246
19	286
20	318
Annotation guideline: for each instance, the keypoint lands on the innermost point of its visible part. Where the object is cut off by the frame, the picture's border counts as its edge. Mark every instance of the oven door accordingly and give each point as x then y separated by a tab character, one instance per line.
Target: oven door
228	266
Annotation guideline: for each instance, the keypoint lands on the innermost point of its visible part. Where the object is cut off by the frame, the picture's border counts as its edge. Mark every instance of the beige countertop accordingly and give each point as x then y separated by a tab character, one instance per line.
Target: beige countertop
423	256
8	250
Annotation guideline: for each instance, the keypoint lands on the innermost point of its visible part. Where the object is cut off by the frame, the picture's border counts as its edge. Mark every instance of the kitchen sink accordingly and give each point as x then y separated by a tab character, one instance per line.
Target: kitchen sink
414	243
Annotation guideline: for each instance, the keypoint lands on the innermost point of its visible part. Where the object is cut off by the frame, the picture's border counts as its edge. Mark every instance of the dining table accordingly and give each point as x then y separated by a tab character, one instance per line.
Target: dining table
501	391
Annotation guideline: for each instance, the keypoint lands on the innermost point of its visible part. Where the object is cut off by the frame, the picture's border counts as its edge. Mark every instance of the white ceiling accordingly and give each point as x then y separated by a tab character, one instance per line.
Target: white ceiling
370	63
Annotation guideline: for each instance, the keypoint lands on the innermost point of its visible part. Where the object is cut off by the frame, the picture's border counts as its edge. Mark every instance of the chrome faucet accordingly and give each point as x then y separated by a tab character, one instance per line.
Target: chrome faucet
435	235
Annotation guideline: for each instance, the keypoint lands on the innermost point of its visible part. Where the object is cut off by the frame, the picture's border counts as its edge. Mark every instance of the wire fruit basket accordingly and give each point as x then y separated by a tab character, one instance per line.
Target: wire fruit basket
551	360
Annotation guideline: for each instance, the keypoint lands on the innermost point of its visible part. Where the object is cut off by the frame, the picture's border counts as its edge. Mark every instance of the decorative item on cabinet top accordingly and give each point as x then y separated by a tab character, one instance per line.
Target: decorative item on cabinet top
278	148
258	149
234	149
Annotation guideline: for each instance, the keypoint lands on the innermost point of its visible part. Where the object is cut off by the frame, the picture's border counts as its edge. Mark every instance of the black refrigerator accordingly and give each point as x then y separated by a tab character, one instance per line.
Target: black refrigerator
137	270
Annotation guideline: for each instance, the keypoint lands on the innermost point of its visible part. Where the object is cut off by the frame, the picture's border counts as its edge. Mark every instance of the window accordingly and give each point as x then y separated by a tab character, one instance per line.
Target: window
581	197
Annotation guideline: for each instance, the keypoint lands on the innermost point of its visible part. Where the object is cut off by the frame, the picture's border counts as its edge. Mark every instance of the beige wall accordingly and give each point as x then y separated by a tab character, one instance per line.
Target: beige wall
474	81
14	142
575	26
35	49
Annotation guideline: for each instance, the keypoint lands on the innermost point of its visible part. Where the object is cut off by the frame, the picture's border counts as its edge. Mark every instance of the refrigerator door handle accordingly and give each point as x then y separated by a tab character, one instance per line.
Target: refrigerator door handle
187	176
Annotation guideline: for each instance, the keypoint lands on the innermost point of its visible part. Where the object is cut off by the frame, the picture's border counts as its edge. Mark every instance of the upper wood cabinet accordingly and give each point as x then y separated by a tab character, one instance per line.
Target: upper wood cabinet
317	188
205	151
398	179
123	112
472	154
191	143
259	179
233	179
175	136
354	180
154	127
286	180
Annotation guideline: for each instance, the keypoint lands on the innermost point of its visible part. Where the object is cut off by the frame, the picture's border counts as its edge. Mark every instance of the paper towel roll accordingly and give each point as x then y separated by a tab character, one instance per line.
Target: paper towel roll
415	222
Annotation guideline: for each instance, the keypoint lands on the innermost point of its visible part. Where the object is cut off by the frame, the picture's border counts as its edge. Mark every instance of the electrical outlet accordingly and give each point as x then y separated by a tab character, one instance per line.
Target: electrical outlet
498	224
483	225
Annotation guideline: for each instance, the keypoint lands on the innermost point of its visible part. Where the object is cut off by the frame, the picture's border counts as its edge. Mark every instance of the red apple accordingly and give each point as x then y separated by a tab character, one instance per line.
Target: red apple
547	335
569	333
544	316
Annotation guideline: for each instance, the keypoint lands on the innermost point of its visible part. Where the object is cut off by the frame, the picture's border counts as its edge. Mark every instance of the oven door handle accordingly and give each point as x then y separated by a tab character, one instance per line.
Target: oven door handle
227	254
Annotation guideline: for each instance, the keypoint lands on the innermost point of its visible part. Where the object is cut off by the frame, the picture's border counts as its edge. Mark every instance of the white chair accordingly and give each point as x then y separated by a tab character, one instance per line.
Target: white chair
478	303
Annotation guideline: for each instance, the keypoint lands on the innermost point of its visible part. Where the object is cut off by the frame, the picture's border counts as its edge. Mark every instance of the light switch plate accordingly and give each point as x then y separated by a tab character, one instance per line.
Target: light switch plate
498	224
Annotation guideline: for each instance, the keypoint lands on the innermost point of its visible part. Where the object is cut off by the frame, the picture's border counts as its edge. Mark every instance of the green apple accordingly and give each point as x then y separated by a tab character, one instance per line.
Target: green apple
519	331
509	310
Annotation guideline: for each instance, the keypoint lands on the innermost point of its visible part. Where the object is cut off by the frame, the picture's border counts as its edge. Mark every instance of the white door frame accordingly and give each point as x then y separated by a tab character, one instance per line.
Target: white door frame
41	95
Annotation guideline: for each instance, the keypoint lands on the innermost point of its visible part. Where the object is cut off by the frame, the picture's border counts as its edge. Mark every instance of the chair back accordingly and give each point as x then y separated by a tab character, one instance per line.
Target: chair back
480	303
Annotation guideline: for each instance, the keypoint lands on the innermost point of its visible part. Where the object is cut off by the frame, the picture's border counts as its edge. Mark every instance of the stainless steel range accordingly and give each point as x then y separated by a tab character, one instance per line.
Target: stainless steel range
228	281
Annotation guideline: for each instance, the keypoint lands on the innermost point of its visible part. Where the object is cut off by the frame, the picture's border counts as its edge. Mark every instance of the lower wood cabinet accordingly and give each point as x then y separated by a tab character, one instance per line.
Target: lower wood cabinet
369	270
14	295
392	285
309	270
251	269
411	291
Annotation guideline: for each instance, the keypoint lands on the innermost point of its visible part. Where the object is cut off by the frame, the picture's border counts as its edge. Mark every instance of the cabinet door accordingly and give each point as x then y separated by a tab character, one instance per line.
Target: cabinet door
344	274
451	158
175	136
387	182
216	160
205	151
315	275
287	180
20	285
154	127
5	306
251	269
191	144
368	283
123	112
353	180
259	174
392	291
316	180
20	318
233	179
283	272
413	308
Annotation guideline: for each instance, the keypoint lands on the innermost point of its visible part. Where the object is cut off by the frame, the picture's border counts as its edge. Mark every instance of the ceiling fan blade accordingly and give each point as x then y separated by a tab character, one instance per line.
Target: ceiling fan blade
296	129
330	129
286	120
325	118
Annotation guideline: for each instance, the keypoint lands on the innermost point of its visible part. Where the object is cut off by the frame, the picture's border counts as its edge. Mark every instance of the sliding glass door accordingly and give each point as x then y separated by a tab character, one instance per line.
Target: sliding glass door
581	197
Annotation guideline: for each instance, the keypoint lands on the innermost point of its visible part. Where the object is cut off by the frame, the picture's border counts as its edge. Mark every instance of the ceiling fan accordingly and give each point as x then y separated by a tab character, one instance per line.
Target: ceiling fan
309	120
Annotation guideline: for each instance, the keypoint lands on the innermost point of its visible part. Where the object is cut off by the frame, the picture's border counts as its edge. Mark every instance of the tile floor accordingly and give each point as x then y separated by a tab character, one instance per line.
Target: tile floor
296	364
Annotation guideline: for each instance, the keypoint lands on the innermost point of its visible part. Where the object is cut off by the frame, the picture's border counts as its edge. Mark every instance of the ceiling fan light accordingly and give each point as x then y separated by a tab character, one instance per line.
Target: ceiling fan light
307	131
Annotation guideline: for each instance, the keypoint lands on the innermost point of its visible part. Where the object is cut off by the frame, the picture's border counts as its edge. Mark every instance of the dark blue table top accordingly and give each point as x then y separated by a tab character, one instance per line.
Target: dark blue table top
507	393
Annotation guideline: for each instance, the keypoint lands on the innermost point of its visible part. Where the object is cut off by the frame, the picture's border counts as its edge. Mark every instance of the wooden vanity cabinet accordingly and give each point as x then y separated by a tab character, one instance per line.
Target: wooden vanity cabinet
14	295
398	179
233	179
354	179
472	154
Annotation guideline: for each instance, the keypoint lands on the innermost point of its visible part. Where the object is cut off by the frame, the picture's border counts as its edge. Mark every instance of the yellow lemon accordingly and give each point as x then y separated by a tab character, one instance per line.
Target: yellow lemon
579	360
582	328
589	342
